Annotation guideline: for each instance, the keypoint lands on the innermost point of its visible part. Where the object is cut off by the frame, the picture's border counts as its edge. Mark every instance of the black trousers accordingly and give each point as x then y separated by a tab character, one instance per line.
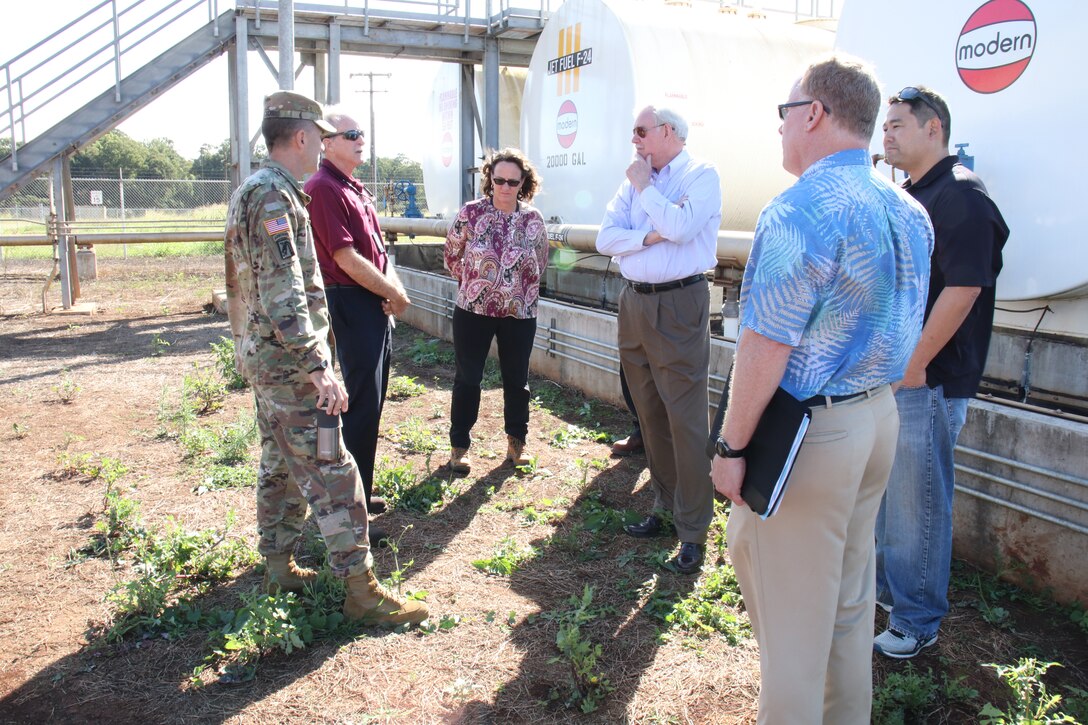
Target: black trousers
364	347
472	336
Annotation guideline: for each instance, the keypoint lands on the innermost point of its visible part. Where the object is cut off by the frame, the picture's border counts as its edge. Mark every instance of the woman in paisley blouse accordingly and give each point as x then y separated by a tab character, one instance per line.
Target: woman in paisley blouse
496	249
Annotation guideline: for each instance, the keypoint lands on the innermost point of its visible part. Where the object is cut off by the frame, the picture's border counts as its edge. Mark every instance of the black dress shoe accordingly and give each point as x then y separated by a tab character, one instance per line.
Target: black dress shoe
645	529
689	559
376	506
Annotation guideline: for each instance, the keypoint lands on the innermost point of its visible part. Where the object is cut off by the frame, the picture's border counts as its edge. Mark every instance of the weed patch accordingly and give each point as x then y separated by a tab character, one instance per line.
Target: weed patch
587	686
508	556
403	387
712	607
413	436
224	363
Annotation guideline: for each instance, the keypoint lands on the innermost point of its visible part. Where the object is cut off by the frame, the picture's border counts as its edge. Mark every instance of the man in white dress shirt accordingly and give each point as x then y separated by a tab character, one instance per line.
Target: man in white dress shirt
662	229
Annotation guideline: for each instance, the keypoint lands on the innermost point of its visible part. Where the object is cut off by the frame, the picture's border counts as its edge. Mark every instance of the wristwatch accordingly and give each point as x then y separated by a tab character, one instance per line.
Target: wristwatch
323	365
722	449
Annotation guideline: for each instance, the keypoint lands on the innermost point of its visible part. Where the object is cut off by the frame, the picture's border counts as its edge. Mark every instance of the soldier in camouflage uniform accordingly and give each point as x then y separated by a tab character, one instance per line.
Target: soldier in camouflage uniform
280	324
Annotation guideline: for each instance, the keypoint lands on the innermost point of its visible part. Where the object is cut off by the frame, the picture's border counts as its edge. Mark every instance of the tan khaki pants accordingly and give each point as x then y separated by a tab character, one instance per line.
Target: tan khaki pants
808	573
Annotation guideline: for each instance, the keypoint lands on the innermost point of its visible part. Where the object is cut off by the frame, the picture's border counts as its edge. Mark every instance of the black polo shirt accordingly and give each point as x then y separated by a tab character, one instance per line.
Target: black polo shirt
969	233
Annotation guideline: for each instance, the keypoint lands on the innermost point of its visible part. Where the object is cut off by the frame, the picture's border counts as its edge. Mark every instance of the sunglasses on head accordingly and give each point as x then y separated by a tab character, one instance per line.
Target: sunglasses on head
910	93
499	181
353	134
641	131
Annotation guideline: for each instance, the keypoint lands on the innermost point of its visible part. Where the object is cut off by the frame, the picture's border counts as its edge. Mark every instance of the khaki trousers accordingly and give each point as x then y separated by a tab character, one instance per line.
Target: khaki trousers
807	574
664	341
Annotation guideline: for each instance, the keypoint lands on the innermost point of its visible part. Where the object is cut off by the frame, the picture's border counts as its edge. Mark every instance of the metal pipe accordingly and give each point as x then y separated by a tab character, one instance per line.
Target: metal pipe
39	240
1022	487
1024	510
1038	470
733	247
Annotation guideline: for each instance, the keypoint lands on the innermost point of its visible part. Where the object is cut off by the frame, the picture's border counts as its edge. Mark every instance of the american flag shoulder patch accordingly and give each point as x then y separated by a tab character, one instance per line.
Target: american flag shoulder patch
279	225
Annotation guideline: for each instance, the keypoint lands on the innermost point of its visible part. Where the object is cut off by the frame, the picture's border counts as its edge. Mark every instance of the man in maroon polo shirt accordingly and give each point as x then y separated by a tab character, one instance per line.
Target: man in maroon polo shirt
362	288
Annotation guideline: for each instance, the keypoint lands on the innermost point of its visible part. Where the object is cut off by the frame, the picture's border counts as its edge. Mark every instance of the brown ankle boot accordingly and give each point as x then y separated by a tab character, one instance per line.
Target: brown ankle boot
281	573
374	604
515	452
459	462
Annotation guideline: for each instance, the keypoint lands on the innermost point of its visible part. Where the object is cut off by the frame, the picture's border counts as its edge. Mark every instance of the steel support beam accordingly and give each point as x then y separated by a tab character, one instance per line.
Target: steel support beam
59	207
491	93
333	93
469	120
238	76
286	26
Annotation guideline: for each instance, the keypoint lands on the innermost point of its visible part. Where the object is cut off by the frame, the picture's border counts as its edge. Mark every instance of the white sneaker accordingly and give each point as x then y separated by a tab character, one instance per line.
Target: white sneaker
893	643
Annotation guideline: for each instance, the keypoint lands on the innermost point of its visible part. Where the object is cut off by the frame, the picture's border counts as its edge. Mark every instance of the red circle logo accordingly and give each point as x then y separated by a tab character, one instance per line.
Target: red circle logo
996	45
566	124
447	149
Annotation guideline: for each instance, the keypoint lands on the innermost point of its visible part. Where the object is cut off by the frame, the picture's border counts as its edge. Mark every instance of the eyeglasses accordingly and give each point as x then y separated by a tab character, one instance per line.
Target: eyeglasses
353	134
641	132
783	106
910	93
498	180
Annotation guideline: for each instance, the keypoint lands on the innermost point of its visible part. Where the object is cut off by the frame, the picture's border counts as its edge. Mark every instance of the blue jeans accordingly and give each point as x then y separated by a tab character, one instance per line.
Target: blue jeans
914	526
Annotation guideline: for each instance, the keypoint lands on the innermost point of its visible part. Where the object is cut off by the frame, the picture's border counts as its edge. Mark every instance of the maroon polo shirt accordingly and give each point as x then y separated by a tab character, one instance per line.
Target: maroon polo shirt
342	215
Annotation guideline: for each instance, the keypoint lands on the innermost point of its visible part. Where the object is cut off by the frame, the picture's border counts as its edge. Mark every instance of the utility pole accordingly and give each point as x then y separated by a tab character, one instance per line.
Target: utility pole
373	146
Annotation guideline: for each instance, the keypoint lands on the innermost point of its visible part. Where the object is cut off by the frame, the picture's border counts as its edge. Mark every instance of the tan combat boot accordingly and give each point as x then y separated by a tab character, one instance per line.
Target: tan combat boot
515	452
374	604
459	462
282	573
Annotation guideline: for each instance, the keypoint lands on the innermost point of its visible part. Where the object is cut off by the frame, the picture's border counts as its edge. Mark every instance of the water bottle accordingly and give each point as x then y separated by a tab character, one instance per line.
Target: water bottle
328	436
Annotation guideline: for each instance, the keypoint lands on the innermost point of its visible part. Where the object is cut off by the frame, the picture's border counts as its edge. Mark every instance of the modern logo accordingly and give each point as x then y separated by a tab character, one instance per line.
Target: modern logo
566	124
572	56
996	45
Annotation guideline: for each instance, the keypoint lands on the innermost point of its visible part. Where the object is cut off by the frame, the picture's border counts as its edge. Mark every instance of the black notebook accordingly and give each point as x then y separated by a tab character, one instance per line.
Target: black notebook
771	452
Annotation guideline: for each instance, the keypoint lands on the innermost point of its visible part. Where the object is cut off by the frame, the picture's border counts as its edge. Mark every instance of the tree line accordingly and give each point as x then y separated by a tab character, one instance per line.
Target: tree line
117	152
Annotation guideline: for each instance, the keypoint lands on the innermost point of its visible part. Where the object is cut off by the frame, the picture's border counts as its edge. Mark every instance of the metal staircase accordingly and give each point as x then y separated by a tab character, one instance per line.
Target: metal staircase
32	101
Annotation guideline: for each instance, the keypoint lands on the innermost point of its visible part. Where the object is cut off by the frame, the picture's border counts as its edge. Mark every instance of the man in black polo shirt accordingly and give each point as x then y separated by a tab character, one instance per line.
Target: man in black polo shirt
914	527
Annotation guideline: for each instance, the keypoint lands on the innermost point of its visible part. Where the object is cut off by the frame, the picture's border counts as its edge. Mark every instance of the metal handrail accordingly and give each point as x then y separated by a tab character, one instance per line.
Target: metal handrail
13	81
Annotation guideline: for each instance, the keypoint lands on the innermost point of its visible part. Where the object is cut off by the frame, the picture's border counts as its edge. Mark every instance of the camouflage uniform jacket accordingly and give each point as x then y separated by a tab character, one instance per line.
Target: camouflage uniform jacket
275	296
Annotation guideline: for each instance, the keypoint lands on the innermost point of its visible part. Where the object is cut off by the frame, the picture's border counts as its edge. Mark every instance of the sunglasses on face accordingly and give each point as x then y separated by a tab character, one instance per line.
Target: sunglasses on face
783	107
641	132
499	181
910	93
351	134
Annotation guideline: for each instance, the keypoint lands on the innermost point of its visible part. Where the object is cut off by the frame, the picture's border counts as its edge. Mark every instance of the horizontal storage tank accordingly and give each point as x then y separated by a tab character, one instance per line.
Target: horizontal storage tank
443	167
598	62
1003	66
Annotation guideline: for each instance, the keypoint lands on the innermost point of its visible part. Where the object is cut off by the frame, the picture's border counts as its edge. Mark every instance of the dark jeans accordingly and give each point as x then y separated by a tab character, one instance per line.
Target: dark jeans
472	336
364	347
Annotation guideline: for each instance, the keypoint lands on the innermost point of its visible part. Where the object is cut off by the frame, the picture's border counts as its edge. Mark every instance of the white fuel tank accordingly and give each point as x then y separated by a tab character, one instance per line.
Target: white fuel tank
598	62
1002	65
443	167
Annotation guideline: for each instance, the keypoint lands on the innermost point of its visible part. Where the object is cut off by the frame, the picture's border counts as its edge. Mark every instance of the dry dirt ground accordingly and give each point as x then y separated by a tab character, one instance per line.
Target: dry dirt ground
495	659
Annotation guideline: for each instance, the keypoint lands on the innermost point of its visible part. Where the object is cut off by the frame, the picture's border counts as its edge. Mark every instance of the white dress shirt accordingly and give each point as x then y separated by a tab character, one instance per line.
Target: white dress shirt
684	204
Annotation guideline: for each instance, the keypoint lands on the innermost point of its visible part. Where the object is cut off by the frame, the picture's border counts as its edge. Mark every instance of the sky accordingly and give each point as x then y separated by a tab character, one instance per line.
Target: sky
195	111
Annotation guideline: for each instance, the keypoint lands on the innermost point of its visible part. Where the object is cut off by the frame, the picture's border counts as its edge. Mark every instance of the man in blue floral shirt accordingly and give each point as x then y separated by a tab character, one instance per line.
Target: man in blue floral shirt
831	308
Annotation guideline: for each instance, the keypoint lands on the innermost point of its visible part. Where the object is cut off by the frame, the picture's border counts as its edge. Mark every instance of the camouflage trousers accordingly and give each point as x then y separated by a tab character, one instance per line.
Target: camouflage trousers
290	477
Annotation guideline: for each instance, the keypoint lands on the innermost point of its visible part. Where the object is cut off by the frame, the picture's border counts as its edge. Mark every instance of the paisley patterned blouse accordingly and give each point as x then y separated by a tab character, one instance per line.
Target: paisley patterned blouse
497	259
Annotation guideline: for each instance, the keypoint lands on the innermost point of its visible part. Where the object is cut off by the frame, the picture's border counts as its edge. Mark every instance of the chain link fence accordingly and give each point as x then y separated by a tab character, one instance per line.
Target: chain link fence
120	199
